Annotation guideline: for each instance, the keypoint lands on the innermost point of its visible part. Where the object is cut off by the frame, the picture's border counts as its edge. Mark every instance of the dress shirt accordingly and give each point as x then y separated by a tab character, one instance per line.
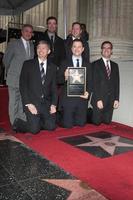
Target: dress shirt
74	59
51	34
25	43
44	64
105	62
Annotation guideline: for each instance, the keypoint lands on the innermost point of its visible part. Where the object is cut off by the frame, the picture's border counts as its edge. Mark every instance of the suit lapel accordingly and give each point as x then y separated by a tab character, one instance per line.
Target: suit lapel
37	72
103	68
22	47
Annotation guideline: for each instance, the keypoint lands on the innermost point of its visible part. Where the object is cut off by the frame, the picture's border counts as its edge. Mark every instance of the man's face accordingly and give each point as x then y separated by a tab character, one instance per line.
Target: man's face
106	50
43	51
77	48
27	33
52	25
76	30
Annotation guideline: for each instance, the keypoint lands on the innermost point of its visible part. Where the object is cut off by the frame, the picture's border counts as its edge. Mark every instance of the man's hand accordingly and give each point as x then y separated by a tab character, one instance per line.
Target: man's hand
32	109
85	96
100	104
66	74
52	109
116	104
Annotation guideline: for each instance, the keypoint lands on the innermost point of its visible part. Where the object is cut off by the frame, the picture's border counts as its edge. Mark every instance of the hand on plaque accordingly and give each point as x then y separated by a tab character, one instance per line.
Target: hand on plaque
85	96
66	74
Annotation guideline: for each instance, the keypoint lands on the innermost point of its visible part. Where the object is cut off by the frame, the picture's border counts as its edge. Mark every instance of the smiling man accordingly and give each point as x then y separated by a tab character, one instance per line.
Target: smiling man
16	53
57	46
105	86
38	92
74	109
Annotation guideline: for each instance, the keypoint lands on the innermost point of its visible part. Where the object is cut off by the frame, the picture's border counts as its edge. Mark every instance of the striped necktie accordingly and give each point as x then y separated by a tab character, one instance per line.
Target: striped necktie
42	73
108	69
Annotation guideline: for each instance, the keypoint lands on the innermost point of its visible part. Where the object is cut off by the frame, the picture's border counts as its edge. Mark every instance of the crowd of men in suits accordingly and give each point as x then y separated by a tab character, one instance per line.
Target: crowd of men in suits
37	80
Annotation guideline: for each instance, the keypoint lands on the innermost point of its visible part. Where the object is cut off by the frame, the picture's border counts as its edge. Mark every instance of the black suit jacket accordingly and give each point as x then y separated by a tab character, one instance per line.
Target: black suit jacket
102	86
31	88
59	53
61	78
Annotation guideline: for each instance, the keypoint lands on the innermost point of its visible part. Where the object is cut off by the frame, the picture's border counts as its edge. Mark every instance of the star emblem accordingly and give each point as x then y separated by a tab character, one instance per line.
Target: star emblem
107	144
5	136
76	77
79	190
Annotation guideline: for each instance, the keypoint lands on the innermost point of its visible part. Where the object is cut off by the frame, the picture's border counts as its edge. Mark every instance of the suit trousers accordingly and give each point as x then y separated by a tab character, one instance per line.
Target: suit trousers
74	112
15	105
103	115
42	121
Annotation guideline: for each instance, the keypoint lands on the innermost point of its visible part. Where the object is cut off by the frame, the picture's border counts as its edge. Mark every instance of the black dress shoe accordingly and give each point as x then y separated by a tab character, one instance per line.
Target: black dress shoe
19	126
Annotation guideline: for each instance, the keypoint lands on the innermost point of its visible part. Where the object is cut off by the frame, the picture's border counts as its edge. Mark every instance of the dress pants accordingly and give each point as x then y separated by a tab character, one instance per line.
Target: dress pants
74	112
15	105
43	120
103	115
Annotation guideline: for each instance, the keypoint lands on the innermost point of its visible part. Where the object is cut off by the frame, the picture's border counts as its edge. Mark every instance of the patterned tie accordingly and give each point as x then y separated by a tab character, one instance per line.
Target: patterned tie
108	69
42	73
27	49
77	64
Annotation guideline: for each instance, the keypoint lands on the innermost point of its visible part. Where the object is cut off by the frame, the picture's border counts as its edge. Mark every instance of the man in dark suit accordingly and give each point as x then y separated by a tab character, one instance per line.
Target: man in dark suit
105	86
16	53
57	46
74	109
38	92
76	33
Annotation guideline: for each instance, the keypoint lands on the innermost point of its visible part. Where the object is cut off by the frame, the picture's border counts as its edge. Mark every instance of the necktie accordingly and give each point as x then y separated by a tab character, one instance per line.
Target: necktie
27	49
108	69
77	64
52	43
42	73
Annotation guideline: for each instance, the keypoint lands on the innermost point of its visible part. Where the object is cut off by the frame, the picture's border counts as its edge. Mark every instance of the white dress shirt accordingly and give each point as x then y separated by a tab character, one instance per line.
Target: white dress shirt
74	59
44	64
105	62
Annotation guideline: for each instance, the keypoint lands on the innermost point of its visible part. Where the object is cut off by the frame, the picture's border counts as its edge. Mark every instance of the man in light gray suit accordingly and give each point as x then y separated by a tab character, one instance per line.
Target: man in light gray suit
16	53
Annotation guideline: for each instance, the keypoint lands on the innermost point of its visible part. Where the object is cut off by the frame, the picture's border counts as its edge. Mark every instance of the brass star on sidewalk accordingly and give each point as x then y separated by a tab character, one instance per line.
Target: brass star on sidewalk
5	136
108	144
79	190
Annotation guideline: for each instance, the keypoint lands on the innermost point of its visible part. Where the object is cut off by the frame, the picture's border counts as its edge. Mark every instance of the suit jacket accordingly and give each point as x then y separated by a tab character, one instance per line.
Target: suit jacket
102	86
14	57
68	45
31	87
61	78
58	54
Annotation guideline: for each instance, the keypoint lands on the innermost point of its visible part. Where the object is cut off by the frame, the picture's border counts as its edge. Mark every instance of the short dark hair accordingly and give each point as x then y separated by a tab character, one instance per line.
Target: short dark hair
77	40
27	25
51	18
74	23
106	42
43	42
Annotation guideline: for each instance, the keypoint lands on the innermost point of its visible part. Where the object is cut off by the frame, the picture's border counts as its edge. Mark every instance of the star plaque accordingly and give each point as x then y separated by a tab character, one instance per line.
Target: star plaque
76	83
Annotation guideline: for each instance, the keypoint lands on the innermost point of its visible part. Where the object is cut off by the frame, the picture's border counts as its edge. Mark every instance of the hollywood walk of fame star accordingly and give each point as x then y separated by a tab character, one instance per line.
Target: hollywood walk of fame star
76	77
5	136
78	189
108	144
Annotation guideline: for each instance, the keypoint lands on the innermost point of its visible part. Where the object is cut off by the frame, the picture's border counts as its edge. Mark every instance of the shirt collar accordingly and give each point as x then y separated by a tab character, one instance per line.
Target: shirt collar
42	61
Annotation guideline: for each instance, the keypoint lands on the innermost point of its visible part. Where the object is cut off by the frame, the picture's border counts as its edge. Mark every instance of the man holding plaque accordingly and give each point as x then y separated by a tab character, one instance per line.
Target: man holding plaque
75	74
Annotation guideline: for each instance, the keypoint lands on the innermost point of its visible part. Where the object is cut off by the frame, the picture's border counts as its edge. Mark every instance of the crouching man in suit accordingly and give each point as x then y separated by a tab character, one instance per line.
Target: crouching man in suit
74	109
105	86
38	92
